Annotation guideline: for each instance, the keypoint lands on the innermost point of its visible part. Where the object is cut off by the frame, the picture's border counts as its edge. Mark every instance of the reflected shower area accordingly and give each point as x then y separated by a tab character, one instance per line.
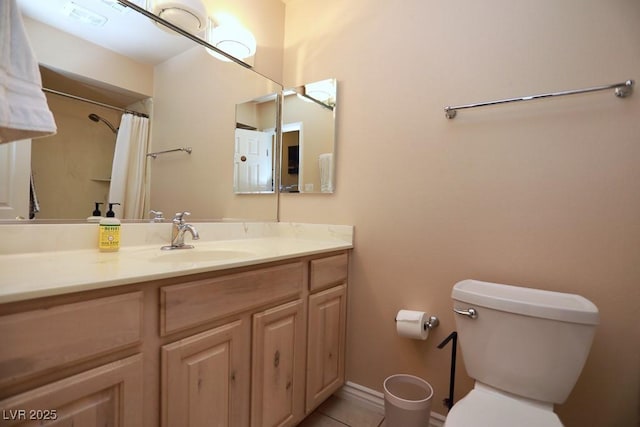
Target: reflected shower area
72	169
96	118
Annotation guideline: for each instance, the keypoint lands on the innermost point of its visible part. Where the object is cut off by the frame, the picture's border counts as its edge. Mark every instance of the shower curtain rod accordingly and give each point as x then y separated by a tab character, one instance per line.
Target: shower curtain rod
90	101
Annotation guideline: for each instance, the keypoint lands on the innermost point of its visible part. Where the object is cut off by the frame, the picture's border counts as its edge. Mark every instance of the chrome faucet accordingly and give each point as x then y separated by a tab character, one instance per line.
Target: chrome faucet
177	233
157	216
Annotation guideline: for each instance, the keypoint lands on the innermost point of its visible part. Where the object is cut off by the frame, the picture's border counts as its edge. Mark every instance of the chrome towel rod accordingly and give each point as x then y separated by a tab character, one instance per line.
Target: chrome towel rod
185	149
622	90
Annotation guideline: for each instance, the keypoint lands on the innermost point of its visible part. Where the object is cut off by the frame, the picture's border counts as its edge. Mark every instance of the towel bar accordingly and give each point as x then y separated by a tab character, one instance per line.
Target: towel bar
622	90
188	150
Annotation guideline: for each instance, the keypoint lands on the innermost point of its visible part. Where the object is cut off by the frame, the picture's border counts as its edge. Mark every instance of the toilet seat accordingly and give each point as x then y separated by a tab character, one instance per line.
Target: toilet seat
485	406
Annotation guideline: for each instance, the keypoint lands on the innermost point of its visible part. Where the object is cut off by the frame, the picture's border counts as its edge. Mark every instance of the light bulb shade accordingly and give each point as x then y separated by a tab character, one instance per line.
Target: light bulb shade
233	39
189	15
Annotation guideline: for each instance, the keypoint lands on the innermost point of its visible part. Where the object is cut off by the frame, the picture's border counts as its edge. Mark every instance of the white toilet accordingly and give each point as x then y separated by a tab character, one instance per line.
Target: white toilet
524	347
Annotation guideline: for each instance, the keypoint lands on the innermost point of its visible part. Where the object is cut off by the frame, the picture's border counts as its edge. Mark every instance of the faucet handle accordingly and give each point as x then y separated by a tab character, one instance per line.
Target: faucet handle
178	218
157	216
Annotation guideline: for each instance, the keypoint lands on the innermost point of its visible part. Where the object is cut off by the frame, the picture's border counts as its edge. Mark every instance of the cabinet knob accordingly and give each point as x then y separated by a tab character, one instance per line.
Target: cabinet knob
276	359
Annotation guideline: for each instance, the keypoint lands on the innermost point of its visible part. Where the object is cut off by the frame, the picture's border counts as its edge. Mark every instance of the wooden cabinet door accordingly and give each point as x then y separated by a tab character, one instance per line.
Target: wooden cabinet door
110	395
326	344
278	357
205	378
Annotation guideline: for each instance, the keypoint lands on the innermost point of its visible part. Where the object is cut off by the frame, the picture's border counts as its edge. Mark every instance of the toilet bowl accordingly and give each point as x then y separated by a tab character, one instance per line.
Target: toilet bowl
486	406
525	349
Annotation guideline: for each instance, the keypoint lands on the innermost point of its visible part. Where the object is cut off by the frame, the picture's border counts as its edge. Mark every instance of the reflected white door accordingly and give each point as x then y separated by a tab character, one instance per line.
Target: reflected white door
15	179
253	162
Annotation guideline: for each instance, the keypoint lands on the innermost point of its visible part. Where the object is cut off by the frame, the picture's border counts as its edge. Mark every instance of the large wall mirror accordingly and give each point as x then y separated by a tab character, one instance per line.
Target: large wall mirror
308	138
190	99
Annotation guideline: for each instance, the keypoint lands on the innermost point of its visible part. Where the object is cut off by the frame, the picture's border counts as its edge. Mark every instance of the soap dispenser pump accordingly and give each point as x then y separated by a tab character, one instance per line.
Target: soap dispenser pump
96	216
109	238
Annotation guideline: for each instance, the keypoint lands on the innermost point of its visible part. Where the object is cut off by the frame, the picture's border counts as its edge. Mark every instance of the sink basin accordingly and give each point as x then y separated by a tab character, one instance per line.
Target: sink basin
195	255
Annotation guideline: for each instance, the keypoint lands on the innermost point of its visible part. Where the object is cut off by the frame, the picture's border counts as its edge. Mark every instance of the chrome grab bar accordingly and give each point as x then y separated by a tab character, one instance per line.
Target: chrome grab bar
470	312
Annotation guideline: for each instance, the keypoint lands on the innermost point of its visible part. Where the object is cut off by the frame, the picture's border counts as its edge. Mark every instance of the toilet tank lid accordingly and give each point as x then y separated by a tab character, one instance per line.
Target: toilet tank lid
527	301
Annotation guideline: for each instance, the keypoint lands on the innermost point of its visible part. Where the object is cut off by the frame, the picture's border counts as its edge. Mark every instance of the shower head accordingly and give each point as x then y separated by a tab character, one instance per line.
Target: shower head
96	118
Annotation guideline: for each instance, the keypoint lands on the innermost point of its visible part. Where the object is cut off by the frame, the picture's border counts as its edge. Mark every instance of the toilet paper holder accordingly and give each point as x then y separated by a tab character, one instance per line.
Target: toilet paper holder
431	323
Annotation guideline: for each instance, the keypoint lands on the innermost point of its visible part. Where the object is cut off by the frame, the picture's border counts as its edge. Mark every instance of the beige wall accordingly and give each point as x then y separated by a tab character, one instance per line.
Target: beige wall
541	194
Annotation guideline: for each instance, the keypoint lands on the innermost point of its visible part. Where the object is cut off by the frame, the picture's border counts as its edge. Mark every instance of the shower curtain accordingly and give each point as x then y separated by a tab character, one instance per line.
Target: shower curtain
128	170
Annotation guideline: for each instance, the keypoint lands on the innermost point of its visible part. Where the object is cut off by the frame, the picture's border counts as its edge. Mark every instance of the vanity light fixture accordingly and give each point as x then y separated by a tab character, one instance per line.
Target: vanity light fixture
231	37
189	15
323	91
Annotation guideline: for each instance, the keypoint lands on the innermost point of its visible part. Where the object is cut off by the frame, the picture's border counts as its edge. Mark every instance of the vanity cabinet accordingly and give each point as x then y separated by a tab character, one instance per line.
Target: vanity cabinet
202	378
327	328
326	344
37	342
254	346
110	395
277	367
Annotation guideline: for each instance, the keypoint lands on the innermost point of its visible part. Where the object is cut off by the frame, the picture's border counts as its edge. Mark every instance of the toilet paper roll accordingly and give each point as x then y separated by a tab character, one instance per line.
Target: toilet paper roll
412	324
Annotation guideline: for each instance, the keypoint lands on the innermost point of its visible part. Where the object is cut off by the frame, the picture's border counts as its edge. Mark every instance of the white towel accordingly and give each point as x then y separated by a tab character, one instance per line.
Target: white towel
326	172
24	112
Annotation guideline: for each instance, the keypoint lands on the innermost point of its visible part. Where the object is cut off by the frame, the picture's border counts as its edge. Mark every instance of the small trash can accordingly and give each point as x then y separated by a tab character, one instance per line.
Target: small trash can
407	401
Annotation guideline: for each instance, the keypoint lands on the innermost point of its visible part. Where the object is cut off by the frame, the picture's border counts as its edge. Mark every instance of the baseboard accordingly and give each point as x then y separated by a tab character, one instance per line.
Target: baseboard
374	400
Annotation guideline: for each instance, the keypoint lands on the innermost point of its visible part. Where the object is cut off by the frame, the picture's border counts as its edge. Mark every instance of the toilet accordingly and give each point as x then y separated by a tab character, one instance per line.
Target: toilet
525	349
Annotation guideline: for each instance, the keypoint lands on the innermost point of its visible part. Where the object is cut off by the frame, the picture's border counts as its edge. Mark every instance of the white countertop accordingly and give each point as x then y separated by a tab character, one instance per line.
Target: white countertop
29	275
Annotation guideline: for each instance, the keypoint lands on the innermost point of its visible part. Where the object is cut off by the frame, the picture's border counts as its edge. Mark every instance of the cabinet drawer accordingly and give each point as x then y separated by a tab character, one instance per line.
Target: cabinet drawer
39	340
193	303
110	395
325	272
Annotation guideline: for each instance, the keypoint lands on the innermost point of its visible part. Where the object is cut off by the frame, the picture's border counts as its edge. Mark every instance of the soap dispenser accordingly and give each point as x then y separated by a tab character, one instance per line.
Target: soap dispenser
109	238
96	216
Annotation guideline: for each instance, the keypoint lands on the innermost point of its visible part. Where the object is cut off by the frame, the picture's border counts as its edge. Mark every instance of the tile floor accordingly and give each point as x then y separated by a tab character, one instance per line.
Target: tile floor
337	412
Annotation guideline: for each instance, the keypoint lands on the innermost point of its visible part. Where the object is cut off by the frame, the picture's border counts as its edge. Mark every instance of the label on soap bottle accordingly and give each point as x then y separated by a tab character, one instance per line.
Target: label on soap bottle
109	239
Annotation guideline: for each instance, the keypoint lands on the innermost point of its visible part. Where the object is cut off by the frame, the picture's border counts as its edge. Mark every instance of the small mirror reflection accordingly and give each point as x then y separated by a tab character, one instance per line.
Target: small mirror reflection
308	138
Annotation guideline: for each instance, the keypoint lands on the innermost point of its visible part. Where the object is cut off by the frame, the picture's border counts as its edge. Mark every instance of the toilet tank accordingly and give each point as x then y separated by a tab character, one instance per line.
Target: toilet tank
529	342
